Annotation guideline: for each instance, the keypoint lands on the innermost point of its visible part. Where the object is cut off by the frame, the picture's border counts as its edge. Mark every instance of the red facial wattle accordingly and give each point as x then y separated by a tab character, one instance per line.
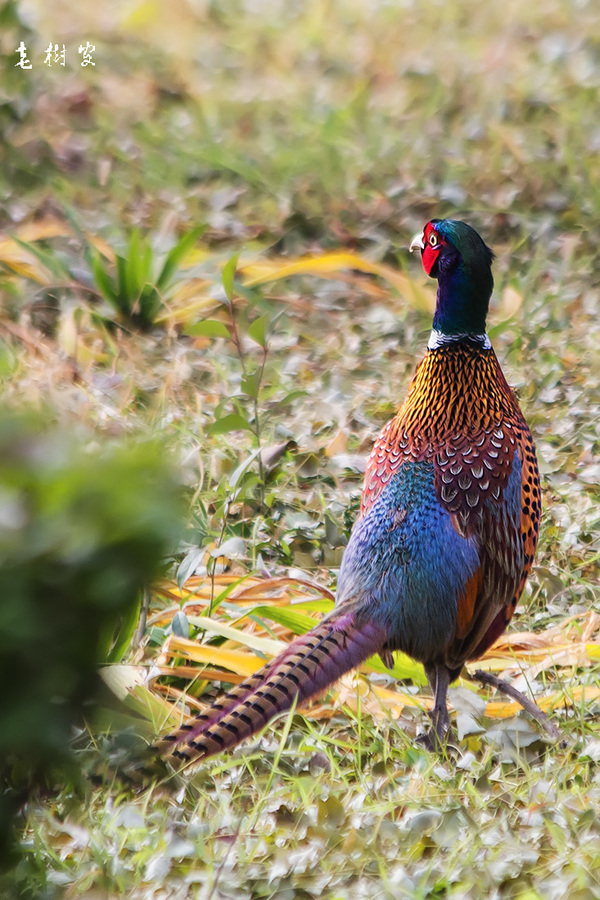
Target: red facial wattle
431	249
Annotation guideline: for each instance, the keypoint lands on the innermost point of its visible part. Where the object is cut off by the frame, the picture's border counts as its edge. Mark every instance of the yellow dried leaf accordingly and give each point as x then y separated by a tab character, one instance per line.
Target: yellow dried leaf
101	246
31	269
500	709
376	701
338	444
189	301
489	664
17	258
42	230
330	264
234	660
511	303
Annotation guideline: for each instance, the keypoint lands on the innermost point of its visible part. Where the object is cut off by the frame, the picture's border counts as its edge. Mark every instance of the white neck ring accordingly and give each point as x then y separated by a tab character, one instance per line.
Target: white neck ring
437	339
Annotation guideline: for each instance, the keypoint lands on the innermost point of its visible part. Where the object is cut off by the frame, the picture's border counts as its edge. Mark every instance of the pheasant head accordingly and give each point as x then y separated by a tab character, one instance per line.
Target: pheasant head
455	254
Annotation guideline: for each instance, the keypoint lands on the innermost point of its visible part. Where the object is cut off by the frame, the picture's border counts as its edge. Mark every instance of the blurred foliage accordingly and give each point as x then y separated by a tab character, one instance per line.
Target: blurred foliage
83	528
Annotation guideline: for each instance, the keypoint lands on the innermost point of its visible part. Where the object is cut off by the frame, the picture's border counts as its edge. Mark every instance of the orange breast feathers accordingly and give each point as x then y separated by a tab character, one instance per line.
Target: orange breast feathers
461	415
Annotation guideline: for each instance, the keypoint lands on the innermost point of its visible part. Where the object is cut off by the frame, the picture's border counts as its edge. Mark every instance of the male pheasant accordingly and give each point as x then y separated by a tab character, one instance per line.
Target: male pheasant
447	529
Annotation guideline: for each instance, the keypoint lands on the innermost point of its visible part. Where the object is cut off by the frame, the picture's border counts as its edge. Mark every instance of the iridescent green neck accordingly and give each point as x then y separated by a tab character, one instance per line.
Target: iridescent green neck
465	281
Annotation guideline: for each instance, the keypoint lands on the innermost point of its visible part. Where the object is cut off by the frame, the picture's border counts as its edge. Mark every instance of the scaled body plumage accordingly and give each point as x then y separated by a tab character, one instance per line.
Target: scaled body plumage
448	525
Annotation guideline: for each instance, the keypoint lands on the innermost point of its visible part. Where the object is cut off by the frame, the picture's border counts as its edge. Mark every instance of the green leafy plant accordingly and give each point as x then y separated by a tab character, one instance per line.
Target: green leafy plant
246	416
241	410
136	290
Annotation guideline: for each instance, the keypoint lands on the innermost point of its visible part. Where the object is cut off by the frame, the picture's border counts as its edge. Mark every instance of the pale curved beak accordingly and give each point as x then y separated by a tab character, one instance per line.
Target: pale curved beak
417	242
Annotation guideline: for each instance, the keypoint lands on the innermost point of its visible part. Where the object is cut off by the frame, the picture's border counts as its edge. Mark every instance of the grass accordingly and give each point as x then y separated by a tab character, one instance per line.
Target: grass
293	131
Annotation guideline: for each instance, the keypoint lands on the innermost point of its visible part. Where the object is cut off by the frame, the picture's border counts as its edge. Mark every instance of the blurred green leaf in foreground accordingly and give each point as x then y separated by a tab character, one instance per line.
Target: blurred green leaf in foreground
83	527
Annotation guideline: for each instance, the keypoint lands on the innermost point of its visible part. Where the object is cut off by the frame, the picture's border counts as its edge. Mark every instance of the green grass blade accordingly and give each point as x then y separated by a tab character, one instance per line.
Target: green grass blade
103	281
176	256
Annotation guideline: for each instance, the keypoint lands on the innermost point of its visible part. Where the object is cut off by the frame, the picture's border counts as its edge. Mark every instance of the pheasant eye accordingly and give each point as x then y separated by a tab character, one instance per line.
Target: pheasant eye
433	239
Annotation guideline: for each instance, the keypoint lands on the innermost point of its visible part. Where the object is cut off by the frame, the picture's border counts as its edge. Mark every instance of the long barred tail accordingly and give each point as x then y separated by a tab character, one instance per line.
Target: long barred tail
309	665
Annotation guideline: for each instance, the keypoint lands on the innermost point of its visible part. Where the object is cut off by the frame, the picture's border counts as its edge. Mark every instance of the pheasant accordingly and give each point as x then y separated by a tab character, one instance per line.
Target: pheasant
447	529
